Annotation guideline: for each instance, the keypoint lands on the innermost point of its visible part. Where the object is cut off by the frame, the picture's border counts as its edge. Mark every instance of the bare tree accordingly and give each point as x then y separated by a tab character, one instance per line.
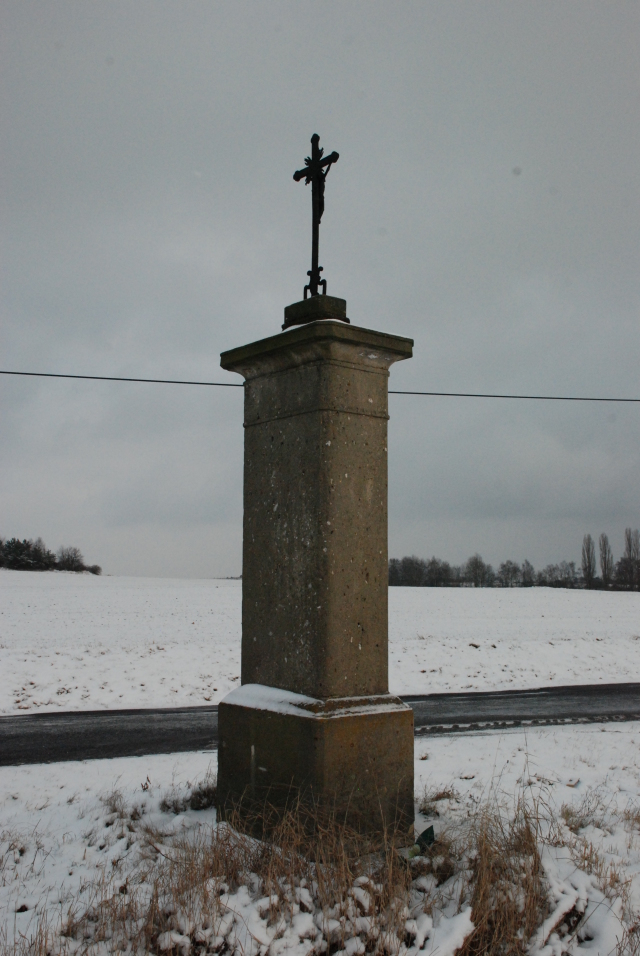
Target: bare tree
628	544
509	574
588	560
606	560
624	573
478	573
632	556
567	577
412	571
437	574
395	572
528	574
549	576
70	559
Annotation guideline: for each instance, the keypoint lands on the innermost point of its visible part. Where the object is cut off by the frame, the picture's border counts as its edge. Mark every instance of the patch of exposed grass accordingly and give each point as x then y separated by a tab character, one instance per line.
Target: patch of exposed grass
432	796
202	796
508	892
590	812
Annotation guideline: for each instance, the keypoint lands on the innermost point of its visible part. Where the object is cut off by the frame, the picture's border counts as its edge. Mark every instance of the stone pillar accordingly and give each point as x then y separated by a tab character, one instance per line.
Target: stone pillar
313	712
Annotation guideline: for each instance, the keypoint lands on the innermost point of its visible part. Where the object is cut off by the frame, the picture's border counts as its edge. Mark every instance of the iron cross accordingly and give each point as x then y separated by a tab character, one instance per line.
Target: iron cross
315	172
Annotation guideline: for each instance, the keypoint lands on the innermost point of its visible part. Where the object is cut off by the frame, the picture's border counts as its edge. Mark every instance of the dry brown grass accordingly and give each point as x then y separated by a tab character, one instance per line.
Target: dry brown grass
202	796
39	943
432	796
507	886
629	944
173	899
631	817
442	860
591	811
309	862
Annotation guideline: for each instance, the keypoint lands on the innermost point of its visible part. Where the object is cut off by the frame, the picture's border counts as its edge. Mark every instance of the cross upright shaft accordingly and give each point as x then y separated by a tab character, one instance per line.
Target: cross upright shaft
315	172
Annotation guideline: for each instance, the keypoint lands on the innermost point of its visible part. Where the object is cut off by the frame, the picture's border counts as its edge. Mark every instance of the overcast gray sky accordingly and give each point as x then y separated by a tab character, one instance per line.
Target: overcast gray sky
486	203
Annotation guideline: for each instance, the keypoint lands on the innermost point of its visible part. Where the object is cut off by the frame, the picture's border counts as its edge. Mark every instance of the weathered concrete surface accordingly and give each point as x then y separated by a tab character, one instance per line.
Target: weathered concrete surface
314	596
355	752
314	610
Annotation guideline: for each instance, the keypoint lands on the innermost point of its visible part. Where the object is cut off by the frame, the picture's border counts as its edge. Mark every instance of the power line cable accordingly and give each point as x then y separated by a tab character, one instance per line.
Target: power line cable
113	378
537	398
174	381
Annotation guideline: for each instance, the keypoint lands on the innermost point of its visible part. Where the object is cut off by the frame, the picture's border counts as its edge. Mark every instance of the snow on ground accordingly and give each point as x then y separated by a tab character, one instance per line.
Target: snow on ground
527	637
79	642
59	835
593	766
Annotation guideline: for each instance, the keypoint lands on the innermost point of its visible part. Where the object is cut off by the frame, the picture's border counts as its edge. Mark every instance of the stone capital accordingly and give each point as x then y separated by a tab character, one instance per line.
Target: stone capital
329	340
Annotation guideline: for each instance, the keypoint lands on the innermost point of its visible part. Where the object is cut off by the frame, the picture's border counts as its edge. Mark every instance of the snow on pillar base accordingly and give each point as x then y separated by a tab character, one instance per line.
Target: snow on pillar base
353	754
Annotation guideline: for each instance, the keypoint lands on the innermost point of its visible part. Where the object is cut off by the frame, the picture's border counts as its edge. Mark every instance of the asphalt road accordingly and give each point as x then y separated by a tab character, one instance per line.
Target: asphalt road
85	735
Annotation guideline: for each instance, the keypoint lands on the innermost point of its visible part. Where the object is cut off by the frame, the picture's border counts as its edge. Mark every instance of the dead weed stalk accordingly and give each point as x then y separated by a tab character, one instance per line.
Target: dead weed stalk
507	886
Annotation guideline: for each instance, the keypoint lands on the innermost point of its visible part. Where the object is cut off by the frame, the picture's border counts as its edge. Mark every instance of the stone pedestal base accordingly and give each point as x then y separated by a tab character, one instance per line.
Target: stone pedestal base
354	754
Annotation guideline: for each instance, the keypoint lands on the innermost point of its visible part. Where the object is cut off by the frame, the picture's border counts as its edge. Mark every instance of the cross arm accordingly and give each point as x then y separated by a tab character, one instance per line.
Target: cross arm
331	158
309	170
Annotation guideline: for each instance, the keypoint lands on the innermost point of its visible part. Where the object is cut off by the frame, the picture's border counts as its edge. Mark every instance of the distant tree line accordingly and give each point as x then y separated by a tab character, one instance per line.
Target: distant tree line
27	555
623	575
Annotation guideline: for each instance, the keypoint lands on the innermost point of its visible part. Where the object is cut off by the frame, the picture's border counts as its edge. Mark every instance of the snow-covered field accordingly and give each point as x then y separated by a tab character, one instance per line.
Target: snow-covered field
60	835
79	642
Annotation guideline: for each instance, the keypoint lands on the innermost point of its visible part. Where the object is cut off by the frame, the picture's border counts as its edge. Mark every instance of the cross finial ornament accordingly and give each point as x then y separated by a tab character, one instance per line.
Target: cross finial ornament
315	172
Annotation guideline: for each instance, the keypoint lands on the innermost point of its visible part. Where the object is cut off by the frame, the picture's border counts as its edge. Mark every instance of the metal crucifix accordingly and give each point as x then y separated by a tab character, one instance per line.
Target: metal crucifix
315	172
